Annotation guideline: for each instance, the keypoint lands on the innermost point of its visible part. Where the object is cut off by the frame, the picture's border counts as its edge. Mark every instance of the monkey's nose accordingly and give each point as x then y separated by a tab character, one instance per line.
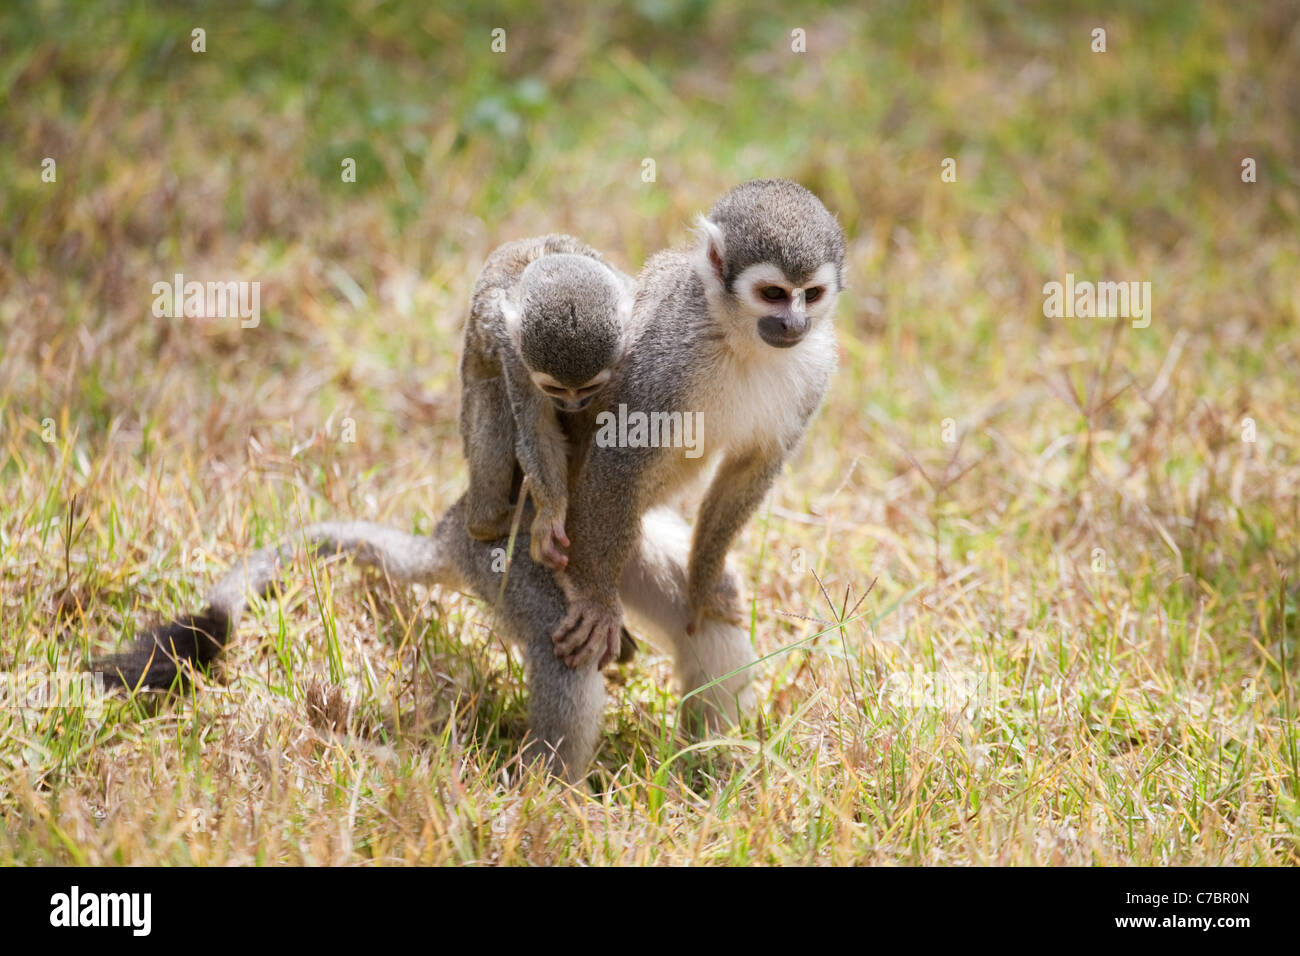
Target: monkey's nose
783	329
572	404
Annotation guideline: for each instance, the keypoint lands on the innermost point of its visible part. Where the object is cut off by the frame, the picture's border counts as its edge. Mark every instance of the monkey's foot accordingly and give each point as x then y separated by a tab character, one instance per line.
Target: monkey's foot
546	539
590	632
486	524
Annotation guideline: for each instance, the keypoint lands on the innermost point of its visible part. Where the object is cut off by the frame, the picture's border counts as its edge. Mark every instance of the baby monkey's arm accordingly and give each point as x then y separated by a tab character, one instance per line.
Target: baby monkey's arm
543	455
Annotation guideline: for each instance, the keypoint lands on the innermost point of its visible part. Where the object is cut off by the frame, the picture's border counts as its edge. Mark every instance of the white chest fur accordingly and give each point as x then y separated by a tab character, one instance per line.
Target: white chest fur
763	396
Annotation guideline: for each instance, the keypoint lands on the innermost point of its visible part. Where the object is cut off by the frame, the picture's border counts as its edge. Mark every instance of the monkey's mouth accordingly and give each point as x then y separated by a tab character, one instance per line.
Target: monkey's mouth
782	332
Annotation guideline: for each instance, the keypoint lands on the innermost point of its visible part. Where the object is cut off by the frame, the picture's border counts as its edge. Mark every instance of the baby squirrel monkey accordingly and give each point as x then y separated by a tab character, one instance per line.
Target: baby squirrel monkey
546	331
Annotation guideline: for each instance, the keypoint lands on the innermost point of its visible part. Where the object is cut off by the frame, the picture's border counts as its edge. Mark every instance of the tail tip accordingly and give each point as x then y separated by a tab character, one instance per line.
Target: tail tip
160	654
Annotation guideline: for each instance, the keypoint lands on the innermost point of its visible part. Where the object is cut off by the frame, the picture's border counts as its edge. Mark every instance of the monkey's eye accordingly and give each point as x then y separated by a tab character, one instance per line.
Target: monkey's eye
773	293
554	391
813	294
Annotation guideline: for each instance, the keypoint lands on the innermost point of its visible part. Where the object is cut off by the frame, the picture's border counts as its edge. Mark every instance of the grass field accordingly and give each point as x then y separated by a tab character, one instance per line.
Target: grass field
1076	537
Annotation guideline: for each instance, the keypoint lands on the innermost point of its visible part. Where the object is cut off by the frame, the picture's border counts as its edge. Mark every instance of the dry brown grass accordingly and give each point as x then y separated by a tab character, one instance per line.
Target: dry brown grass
1098	551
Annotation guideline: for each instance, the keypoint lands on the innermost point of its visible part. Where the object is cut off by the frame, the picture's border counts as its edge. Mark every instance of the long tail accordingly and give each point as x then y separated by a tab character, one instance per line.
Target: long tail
448	557
161	654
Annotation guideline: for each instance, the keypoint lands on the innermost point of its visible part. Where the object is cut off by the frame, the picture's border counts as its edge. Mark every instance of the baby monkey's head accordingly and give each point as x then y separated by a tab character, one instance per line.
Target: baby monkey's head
568	316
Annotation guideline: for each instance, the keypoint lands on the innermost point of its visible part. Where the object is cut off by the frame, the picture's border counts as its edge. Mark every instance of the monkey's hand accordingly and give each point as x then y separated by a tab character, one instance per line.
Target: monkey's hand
720	604
546	538
590	632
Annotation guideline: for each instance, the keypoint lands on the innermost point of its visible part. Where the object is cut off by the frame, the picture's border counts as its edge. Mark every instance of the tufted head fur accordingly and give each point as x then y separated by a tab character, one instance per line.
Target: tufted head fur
776	221
567	316
772	258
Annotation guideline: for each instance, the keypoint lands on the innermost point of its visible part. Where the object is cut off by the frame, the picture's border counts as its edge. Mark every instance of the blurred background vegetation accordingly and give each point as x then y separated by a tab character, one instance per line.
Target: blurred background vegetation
1117	165
126	440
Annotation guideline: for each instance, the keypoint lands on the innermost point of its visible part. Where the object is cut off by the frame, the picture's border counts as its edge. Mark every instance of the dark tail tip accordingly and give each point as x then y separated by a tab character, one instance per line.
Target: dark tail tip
160	654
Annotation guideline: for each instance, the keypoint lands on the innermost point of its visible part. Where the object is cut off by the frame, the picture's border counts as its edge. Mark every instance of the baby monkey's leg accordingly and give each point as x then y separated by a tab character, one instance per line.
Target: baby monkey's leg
489	430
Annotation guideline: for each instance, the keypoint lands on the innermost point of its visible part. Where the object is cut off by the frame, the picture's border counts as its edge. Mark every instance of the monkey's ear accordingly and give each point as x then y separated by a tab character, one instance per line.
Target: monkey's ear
625	306
627	335
711	254
513	313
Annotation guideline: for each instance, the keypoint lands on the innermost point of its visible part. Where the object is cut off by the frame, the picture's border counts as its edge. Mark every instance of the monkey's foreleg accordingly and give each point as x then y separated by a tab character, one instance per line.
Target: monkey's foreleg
604	525
737	489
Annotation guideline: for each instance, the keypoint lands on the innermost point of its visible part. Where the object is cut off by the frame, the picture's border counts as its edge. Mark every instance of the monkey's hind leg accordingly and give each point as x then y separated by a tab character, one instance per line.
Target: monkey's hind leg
565	707
565	710
654	595
488	430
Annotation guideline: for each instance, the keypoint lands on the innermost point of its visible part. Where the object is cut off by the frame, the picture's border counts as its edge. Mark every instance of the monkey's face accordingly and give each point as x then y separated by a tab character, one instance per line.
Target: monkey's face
571	398
783	309
771	258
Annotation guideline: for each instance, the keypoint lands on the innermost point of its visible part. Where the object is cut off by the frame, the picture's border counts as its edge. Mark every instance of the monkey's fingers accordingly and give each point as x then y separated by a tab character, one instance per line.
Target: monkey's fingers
725	608
586	632
613	648
573	632
595	648
548	541
554	556
544	551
